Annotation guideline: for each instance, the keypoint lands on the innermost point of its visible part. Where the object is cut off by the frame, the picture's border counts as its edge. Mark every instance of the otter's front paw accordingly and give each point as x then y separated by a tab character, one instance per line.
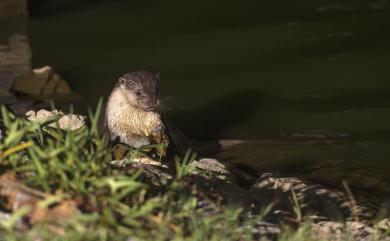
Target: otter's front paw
157	135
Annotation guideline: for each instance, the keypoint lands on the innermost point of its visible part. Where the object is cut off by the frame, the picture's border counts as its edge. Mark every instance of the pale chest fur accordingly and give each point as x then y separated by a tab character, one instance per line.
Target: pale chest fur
124	120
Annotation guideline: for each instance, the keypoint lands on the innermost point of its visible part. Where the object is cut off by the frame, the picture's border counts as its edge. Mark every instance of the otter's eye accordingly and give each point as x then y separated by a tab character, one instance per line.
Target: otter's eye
138	93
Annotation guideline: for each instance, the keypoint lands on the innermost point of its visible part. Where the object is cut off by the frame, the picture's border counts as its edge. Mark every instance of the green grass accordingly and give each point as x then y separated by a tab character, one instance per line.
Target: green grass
117	203
113	203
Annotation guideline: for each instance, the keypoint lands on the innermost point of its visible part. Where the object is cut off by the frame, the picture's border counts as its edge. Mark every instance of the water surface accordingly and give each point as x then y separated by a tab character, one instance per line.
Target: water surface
310	77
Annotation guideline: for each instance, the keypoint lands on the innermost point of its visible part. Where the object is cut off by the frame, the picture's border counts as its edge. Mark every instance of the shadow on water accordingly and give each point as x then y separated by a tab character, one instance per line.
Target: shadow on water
209	121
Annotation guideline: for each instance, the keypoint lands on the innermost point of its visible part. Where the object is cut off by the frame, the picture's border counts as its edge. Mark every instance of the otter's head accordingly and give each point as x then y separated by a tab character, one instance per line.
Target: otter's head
141	89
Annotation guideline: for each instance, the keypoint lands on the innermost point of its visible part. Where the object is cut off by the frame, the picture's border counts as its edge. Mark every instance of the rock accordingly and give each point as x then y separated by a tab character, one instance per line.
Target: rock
208	165
266	228
66	121
384	224
330	230
319	205
15	58
41	82
318	200
360	230
212	165
12	8
327	230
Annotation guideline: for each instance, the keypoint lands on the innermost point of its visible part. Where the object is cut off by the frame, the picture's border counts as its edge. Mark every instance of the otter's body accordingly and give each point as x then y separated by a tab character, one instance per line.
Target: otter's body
131	113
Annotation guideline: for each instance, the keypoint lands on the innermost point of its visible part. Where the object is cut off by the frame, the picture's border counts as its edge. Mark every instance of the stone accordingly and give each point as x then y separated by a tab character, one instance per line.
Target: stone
319	204
266	228
41	82
65	122
15	58
13	8
208	164
384	224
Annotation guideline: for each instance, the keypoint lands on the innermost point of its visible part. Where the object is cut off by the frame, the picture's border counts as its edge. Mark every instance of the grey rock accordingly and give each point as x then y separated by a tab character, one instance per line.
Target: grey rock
41	82
267	228
213	165
330	230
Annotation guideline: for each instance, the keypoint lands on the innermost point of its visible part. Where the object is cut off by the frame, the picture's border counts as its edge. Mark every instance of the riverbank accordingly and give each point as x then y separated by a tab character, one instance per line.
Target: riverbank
72	185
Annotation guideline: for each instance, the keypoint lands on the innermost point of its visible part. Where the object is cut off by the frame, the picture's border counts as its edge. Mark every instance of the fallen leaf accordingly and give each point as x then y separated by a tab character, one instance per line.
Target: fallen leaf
43	207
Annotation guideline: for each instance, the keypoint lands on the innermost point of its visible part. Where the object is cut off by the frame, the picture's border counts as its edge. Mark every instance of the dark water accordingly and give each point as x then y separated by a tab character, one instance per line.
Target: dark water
310	77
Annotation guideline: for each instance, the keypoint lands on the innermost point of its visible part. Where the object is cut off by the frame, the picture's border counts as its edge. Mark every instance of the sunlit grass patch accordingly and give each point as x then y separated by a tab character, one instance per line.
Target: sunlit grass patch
52	167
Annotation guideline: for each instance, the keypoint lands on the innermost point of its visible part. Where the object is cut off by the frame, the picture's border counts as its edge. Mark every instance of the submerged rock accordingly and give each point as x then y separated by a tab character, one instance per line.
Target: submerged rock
41	82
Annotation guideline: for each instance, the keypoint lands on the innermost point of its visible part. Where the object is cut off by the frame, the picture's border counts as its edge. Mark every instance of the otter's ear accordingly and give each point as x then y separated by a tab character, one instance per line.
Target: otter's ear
122	81
157	75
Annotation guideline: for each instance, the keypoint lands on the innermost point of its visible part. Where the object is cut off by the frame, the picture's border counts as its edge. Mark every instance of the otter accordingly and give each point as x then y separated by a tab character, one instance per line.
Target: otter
133	116
132	112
